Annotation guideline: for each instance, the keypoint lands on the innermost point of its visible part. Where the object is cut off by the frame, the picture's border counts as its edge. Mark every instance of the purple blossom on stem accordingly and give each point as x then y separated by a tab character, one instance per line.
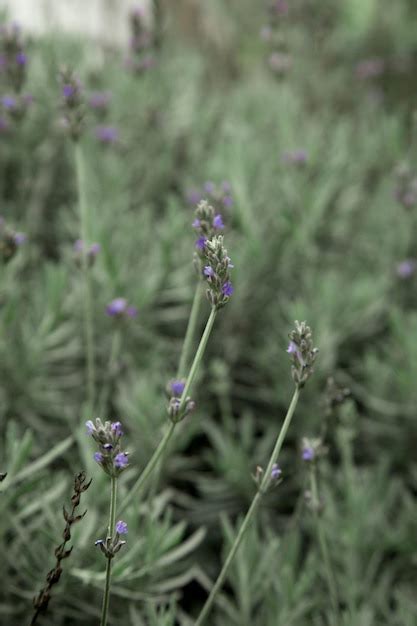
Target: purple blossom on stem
121	527
121	460
196	223
90	427
276	471
228	201
218	222
98	457
227	289
9	102
177	387
307	453
117	429
201	243
68	91
406	268
208	271
21	58
107	134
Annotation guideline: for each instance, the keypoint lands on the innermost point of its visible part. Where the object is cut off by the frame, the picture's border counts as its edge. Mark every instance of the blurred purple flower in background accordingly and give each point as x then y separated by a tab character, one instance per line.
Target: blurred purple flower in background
107	134
120	308
121	527
406	268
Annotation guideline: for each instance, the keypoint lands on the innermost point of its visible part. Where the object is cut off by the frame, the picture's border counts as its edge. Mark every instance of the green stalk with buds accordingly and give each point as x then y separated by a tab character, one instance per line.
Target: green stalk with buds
303	356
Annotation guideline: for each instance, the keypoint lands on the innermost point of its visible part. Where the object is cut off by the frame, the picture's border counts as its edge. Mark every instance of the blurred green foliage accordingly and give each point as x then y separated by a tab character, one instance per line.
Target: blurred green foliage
320	242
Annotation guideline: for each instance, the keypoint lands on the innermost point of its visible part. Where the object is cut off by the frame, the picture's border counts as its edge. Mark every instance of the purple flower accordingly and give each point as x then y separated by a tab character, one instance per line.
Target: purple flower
227	288
94	249
99	100
117	306
228	201
117	429
90	427
21	58
107	134
218	222
121	527
131	311
292	348
406	268
208	271
307	453
209	187
121	460
194	196
196	223
177	387
276	471
68	91
19	238
98	457
9	102
201	243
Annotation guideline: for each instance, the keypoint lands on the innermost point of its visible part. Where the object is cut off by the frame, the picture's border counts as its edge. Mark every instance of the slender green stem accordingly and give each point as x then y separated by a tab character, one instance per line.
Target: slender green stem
88	298
114	353
157	455
190	332
110	530
331	580
251	511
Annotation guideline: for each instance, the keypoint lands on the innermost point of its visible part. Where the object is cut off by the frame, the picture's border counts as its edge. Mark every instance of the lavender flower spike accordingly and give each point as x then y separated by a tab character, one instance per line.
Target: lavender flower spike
276	471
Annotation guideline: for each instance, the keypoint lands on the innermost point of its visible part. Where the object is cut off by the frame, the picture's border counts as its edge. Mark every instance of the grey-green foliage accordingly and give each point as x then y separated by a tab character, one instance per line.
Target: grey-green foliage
319	242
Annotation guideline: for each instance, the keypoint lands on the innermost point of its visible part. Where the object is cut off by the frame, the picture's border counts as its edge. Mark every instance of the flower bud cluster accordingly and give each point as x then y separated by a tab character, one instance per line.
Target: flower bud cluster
206	224
216	272
302	352
141	43
73	105
9	241
220	196
274	479
279	60
110	455
111	545
312	449
13	64
90	251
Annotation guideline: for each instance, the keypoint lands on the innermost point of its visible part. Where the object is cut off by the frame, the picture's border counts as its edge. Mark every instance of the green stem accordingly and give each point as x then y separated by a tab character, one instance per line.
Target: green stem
110	530
190	332
331	581
137	487
251	511
88	299
114	353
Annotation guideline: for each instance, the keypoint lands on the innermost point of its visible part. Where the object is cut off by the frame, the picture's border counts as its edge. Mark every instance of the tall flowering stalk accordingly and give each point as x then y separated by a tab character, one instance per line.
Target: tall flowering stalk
303	356
113	460
73	119
213	265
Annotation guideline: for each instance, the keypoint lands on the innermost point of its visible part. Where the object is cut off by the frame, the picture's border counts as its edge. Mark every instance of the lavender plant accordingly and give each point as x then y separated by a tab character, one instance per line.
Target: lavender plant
303	355
113	460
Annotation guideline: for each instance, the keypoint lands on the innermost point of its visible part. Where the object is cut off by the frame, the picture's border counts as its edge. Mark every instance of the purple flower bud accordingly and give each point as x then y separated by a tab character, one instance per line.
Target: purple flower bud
201	243
227	288
228	201
276	471
196	223
121	460
208	271
307	453
107	134
19	238
121	527
209	187
90	427
98	457
99	100
9	102
21	58
292	348
68	91
406	268
116	307
218	222
131	311
94	249
117	429
177	387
